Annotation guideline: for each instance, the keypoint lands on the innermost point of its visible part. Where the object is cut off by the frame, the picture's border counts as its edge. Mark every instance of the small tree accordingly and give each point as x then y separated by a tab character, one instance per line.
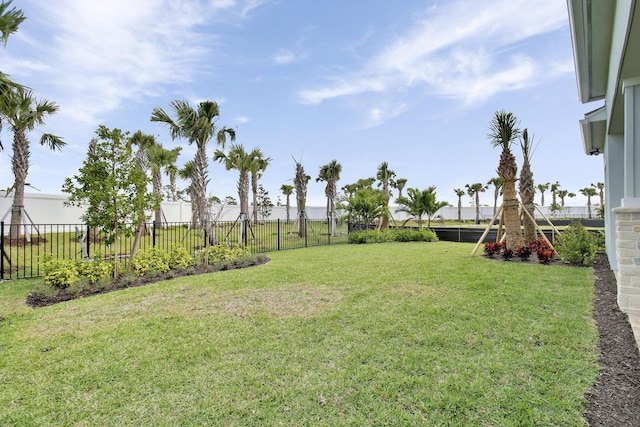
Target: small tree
459	192
497	188
300	180
543	187
420	203
107	185
364	206
589	192
265	206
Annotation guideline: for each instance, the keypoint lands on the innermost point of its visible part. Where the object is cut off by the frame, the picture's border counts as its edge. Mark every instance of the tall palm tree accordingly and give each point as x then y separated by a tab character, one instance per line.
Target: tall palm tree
239	159
562	194
599	186
186	173
385	178
23	112
474	190
258	165
330	173
287	190
527	188
144	143
400	184
300	181
497	186
543	187
589	192
161	159
555	187
10	20
459	192
198	126
503	132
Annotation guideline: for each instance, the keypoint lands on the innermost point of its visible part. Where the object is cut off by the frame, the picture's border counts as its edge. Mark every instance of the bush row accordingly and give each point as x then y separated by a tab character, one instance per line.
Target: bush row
393	235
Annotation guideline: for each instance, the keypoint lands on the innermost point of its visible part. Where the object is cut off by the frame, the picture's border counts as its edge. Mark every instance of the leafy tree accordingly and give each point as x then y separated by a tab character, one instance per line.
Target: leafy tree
230	200
503	131
264	202
300	181
474	190
460	192
258	165
198	126
589	192
287	190
420	203
543	187
330	173
527	189
364	206
497	187
23	112
385	177
107	185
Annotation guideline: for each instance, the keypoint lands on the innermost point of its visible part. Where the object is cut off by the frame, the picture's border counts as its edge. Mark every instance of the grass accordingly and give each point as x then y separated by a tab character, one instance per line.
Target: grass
392	334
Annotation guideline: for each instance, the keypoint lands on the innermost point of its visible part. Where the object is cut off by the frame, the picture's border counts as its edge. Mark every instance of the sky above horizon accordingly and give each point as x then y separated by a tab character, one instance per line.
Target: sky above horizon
415	85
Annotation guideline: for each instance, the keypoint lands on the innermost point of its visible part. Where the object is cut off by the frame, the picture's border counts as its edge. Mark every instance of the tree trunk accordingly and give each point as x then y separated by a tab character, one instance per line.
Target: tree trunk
20	166
529	225
459	209
477	208
511	215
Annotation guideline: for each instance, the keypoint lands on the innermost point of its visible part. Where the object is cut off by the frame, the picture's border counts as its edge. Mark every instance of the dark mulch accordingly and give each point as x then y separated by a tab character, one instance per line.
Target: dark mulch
615	397
129	282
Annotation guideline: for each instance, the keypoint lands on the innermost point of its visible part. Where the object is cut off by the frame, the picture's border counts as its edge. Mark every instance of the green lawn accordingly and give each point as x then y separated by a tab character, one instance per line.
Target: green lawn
394	334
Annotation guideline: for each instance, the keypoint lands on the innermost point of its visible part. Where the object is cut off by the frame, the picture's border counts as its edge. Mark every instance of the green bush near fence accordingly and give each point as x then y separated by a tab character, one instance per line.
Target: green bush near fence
402	235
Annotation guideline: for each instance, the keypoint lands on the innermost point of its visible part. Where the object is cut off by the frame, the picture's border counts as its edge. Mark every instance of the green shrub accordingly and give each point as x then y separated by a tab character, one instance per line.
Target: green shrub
179	257
94	271
402	235
43	291
577	245
221	253
151	261
59	273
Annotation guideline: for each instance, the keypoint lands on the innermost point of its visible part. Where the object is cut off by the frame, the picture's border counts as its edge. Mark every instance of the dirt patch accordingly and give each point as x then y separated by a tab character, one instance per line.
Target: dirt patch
615	397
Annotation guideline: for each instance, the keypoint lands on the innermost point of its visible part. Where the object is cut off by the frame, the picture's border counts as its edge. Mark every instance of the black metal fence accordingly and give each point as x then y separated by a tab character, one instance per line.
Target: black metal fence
22	257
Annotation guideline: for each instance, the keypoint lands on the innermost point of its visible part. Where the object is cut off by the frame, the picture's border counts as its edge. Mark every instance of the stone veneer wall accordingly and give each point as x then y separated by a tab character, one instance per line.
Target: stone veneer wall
628	254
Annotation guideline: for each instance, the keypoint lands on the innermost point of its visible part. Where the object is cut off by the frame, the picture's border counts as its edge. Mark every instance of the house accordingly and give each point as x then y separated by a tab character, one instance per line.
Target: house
606	50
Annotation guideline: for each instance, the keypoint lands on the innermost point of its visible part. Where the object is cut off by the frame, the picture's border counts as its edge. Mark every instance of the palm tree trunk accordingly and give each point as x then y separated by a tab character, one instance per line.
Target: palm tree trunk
477	208
20	166
157	190
511	215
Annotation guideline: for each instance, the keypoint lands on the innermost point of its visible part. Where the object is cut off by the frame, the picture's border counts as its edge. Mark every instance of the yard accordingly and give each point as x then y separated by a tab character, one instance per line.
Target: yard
392	334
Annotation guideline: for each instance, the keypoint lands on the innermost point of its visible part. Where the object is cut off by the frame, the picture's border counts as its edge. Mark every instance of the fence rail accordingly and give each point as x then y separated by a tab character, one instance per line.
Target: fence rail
21	257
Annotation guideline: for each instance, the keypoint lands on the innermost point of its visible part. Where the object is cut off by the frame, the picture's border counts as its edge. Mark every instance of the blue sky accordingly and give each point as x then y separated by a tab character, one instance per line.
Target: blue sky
414	83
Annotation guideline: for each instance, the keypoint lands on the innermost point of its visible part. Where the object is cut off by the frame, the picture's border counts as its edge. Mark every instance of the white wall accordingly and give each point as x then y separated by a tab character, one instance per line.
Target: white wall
49	209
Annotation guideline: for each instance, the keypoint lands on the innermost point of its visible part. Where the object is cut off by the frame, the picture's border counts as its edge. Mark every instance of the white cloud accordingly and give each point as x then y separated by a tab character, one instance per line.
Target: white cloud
284	56
467	51
241	120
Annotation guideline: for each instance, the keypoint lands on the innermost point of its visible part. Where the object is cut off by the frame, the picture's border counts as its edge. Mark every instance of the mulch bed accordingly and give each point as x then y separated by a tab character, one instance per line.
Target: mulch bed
63	294
615	397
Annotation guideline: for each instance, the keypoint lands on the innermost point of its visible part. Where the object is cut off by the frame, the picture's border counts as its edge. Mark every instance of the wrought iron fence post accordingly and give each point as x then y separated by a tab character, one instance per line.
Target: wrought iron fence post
305	231
89	239
329	225
153	234
278	233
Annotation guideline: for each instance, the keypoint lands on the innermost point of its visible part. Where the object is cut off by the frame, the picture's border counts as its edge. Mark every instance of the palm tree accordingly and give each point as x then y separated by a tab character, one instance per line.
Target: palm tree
419	203
474	190
543	188
10	20
385	179
399	184
161	158
23	113
589	192
460	192
258	165
497	186
300	181
562	194
330	173
144	143
287	190
239	159
527	189
197	125
503	131
599	186
555	187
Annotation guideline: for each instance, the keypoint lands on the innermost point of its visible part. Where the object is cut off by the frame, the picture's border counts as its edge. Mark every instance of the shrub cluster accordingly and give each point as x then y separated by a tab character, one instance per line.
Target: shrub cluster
220	253
539	247
401	235
576	245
